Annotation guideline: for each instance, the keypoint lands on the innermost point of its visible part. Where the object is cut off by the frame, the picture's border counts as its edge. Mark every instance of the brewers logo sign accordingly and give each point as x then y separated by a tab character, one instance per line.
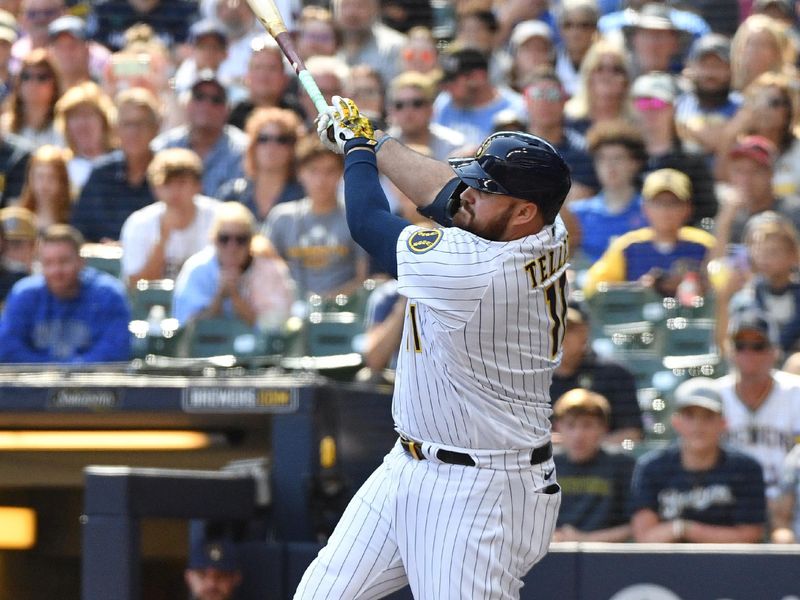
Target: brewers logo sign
423	240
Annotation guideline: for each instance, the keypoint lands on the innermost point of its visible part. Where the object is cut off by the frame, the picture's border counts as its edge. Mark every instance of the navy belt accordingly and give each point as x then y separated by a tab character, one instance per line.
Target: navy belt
451	457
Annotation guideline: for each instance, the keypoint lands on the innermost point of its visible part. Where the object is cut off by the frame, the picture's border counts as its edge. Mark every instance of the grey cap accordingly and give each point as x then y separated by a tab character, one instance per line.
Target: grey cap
699	391
711	43
655	85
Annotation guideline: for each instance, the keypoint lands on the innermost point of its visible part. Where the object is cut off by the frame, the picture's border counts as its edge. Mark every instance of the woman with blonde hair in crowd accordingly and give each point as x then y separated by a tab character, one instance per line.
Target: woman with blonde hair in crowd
603	89
268	162
30	109
47	190
85	117
761	44
238	275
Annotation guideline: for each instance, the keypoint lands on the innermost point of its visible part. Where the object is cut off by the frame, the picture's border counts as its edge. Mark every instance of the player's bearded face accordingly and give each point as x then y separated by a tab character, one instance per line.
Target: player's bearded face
482	214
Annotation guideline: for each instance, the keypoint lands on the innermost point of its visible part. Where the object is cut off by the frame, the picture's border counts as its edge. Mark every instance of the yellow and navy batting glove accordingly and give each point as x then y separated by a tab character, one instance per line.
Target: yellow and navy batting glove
349	124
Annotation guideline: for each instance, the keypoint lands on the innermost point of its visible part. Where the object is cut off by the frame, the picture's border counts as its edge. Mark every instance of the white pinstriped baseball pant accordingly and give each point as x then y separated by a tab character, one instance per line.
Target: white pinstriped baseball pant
450	532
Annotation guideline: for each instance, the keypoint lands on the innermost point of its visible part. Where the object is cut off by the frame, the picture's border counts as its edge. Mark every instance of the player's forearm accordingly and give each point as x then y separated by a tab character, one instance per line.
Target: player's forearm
418	177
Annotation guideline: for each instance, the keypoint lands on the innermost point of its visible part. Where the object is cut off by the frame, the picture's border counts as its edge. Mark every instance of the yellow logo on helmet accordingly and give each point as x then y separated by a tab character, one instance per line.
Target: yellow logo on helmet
423	240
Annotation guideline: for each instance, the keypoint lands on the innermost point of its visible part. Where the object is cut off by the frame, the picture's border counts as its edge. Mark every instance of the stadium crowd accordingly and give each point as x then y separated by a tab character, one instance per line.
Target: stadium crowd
165	145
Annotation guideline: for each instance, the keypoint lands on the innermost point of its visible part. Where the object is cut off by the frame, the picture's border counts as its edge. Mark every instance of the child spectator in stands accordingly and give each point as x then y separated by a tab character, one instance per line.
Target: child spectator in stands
157	239
697	490
659	254
603	88
311	234
617	149
30	109
316	34
577	23
239	275
117	185
268	163
85	118
761	44
47	191
581	367
67	314
595	483
19	228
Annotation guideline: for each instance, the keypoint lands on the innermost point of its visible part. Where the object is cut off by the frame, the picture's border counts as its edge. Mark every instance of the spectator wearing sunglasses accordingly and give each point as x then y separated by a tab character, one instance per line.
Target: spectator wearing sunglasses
761	404
420	53
410	108
578	26
35	17
268	163
219	145
238	275
654	96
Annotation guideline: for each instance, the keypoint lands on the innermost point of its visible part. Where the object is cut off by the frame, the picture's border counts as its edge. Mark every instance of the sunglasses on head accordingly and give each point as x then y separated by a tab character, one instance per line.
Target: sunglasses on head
546	94
753	346
241	239
40	77
415	103
283	139
648	104
216	99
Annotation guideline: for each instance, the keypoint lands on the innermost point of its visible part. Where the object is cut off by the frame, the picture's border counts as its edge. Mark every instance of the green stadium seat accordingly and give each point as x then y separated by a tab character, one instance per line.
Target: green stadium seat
103	257
148	293
330	333
687	337
218	336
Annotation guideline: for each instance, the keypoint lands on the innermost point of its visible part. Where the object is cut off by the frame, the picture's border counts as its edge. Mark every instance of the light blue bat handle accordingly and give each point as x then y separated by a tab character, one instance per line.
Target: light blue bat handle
308	83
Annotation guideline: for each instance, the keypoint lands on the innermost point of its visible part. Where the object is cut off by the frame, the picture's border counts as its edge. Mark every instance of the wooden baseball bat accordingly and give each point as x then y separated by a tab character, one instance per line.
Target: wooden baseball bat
267	12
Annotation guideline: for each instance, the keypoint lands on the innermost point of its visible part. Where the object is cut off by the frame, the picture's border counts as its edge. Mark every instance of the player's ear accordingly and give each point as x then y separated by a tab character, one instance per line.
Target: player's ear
526	213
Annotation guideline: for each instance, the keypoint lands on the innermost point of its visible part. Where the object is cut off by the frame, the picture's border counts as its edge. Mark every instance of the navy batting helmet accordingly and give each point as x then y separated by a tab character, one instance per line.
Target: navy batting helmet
517	164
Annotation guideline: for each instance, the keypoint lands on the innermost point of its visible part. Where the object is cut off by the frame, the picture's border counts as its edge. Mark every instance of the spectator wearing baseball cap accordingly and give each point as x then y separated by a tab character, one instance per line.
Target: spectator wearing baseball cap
761	403
654	39
213	570
654	95
532	47
698	490
703	111
469	100
19	231
76	56
664	251
208	42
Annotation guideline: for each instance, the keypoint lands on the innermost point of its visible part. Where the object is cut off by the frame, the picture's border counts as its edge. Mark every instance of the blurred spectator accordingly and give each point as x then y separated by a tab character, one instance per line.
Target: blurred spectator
785	513
603	87
581	367
8	35
241	29
76	57
239	275
30	108
420	53
532	48
364	38
770	110
516	11
410	108
269	170
508	120
476	28
311	234
660	254
595	483
469	100
655	41
750	167
618	151
208	44
117	184
762	405
169	19
15	152
545	99
316	34
220	146
85	117
35	17
773	252
654	97
761	44
330	73
157	239
696	490
266	82
577	23
403	15
67	314
365	88
47	192
213	571
8	276
685	20
19	228
702	112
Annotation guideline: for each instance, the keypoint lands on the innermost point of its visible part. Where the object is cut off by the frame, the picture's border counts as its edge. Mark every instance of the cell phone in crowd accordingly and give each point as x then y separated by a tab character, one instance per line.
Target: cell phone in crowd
126	65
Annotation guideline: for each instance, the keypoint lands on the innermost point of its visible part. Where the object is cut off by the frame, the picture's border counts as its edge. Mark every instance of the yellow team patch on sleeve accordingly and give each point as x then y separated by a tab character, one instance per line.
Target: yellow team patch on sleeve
423	240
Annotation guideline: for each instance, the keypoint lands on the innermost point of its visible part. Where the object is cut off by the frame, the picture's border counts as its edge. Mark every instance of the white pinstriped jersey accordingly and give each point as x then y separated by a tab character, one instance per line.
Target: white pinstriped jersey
483	331
769	432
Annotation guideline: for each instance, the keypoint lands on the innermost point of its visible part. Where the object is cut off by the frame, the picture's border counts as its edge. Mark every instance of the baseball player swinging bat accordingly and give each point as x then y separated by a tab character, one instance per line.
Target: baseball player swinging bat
267	12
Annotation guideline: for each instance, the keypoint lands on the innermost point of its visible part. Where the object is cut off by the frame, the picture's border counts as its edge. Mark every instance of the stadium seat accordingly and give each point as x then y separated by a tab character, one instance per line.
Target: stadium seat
330	333
103	257
148	293
218	336
623	303
687	337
